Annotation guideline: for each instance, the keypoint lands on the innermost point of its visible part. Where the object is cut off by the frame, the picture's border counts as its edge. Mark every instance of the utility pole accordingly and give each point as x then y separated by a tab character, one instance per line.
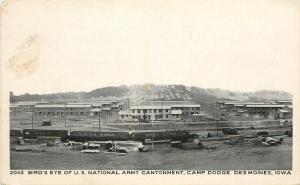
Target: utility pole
65	114
217	118
99	118
32	111
105	113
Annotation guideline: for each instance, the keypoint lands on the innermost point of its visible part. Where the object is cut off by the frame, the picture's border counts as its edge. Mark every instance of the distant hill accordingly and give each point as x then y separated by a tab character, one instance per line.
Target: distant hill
143	93
108	91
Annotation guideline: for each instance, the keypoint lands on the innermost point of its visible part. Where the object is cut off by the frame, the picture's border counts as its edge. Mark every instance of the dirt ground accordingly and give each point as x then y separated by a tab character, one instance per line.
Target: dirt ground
242	156
107	123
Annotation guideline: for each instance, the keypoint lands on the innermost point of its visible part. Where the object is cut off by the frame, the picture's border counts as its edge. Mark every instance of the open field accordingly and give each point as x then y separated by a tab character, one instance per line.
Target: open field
244	155
107	123
85	123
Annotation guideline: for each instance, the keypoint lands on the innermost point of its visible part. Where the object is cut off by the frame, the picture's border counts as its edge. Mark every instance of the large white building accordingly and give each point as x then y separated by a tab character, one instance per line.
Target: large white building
160	112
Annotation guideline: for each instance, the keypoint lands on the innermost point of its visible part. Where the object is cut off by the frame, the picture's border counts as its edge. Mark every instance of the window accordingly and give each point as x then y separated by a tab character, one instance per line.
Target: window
154	110
167	116
133	111
138	111
167	110
160	110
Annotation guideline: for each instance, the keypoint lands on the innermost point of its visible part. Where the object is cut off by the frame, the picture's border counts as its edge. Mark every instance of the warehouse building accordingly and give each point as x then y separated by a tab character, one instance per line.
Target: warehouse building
284	102
270	110
87	108
20	108
160	112
113	105
60	110
285	113
106	107
262	111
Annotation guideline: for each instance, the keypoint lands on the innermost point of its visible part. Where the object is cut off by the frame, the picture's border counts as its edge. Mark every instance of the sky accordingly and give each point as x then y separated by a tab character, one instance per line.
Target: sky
62	46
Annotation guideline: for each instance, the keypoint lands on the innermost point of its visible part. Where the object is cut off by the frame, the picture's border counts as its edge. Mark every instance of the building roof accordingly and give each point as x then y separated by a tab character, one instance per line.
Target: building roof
185	105
170	102
150	107
27	103
265	106
229	103
62	105
201	114
92	104
163	106
248	103
284	101
239	105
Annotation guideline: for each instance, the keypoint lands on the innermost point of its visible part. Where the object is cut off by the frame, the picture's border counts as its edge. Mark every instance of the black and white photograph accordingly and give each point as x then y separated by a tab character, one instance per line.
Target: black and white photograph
155	87
152	127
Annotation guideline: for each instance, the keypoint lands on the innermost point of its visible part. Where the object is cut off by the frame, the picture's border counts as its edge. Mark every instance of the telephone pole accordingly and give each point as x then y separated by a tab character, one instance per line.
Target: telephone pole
32	111
65	114
99	118
217	118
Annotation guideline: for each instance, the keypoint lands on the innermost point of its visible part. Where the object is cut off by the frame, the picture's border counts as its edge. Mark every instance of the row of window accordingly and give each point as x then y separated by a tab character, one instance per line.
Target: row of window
99	134
156	117
148	110
60	113
155	134
167	116
159	110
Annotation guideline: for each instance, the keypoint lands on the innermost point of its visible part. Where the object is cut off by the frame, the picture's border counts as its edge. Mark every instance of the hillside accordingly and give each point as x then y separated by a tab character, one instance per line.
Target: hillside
143	93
